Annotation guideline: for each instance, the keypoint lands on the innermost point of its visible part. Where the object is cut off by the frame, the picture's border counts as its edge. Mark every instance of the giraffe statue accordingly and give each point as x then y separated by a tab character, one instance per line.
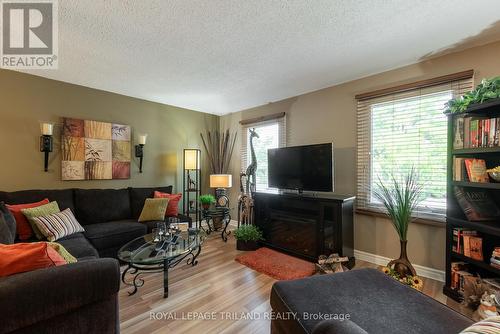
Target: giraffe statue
245	201
252	168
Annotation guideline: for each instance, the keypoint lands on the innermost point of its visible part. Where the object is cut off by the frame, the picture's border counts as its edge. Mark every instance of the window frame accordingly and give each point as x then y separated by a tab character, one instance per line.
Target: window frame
245	126
458	87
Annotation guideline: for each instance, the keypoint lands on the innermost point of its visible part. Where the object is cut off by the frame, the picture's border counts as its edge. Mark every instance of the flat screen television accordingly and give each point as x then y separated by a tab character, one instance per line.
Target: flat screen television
308	167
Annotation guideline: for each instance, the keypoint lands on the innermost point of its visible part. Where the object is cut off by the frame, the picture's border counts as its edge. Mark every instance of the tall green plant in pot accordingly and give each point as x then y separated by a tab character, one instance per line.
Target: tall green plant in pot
400	200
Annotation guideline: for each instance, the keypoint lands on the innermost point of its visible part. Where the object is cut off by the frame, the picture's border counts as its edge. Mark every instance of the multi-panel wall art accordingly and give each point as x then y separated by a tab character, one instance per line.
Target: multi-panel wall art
94	150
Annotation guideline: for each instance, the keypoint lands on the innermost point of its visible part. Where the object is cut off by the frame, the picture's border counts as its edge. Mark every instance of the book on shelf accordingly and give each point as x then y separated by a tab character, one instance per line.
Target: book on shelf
471	132
476	248
461	237
476	204
459	270
495	258
459	169
458	141
476	170
466	245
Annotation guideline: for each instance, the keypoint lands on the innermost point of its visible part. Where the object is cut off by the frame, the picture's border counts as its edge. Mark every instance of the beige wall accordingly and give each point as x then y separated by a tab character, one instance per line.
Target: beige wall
26	99
330	115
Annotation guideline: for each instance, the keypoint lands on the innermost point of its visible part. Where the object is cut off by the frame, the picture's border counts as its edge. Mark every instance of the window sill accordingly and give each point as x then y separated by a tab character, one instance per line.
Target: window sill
424	221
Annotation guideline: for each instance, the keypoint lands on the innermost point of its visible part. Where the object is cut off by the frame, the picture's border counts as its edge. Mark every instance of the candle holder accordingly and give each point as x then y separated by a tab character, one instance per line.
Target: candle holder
139	153
139	150
46	142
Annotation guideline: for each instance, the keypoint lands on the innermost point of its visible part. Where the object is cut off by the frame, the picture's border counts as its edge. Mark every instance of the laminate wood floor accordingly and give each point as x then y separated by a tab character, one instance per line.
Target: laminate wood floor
212	296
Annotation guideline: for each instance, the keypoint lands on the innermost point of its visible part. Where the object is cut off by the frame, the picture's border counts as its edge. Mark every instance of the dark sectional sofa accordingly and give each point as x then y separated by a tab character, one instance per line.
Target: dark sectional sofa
109	216
375	303
80	297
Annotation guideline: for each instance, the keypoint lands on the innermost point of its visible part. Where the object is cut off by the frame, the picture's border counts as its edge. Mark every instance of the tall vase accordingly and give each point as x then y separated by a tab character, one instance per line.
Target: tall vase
402	265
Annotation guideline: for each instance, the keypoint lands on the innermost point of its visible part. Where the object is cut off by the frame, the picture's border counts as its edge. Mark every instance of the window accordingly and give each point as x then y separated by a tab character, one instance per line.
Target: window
403	130
272	134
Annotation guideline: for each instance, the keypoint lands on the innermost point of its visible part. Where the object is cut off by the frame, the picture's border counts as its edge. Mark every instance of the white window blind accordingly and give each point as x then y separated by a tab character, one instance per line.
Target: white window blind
272	134
403	130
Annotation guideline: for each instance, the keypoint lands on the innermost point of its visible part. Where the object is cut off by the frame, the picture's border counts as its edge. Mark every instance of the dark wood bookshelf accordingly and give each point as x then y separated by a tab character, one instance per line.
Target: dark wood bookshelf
479	108
488	227
480	264
482	185
476	150
455	217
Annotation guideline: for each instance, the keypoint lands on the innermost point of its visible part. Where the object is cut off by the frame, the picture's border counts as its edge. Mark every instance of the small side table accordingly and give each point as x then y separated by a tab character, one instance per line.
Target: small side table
209	217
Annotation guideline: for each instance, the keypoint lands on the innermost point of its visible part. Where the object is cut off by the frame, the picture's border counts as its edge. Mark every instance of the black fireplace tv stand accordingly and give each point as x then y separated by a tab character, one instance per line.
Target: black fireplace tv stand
306	226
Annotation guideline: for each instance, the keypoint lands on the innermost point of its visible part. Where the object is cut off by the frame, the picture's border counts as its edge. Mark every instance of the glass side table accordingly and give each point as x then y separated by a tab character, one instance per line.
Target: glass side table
208	216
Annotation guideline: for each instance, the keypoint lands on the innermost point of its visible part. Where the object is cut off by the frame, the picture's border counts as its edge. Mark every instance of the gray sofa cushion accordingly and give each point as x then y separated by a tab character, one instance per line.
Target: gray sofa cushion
375	302
95	206
52	299
338	327
112	235
64	197
138	197
78	246
7	225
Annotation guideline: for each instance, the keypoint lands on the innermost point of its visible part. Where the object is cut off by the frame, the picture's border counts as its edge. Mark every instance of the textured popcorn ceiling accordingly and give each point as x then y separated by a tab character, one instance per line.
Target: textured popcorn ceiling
222	56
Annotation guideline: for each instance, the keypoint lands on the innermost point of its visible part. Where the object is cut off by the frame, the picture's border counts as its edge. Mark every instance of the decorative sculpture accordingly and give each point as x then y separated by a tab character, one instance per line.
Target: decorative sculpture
245	201
252	168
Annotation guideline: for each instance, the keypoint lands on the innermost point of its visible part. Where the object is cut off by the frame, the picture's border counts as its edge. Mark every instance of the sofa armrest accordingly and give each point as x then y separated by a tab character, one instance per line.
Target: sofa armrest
35	296
338	327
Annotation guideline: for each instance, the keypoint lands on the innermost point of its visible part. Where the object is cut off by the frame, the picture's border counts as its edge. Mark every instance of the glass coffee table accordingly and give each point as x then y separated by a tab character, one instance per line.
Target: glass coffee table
144	254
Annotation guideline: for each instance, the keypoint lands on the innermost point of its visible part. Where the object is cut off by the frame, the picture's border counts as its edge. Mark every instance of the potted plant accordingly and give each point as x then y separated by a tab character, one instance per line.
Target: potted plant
487	90
247	237
400	200
206	201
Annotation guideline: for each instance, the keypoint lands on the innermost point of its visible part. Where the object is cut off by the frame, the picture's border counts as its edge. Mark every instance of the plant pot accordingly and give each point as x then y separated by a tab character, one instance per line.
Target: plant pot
205	206
217	223
402	265
247	245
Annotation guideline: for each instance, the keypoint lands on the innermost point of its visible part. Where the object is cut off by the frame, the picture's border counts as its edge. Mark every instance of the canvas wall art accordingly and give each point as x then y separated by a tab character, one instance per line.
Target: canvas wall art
93	150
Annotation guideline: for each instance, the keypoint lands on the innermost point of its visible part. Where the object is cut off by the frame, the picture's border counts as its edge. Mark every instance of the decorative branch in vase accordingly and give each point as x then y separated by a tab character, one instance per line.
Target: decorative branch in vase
219	147
400	201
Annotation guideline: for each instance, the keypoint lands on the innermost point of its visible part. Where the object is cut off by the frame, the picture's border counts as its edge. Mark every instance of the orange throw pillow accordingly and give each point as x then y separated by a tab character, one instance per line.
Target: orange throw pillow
23	257
23	227
173	203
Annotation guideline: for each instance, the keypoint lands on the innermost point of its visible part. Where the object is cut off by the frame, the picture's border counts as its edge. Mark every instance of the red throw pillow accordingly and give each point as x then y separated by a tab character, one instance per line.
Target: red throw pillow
23	227
173	203
23	257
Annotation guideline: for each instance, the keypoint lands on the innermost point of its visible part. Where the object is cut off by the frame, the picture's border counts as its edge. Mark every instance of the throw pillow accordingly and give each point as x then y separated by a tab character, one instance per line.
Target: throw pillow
63	252
154	209
487	326
7	225
42	210
23	228
173	203
23	257
58	225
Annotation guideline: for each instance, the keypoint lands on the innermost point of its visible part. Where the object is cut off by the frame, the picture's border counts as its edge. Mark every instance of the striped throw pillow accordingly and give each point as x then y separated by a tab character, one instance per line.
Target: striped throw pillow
58	225
487	326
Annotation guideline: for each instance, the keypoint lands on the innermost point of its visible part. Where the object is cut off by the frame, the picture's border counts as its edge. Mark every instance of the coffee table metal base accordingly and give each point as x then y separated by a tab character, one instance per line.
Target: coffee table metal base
137	270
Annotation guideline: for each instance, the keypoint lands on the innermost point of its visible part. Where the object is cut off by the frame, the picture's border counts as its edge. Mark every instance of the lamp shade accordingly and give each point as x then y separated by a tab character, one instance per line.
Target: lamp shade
47	129
221	181
191	159
142	138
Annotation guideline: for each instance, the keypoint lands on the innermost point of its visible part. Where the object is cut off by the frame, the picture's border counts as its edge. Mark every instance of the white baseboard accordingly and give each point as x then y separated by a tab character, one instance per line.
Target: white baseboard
422	271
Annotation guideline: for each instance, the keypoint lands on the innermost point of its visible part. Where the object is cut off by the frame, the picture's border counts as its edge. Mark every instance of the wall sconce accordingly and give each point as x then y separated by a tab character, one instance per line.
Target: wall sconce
46	142
139	149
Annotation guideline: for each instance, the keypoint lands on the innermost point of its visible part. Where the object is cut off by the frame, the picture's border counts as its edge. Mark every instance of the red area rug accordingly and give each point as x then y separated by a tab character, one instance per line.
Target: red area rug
277	265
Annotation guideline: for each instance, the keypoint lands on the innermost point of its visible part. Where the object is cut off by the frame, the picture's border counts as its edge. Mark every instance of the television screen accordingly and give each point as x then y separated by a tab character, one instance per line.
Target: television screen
307	167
